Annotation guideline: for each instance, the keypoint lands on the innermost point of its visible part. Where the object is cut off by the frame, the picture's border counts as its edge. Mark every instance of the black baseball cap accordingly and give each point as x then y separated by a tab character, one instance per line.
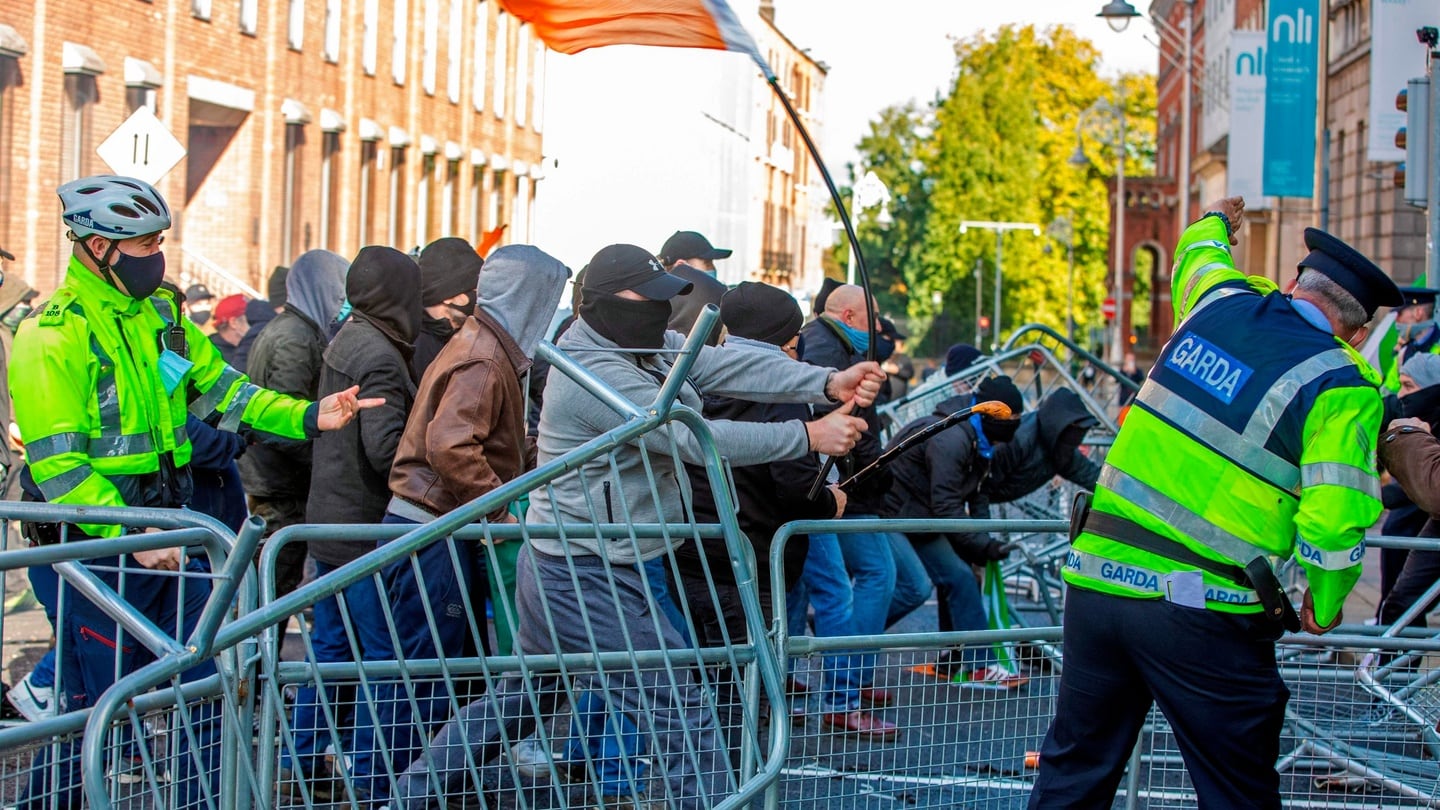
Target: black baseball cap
1349	268
197	292
617	268
690	245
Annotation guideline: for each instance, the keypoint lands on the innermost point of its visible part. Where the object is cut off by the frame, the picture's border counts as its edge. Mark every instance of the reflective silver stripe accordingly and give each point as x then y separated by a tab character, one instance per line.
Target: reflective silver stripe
1144	580
1219	437
1329	560
236	410
1272	406
57	487
41	449
1167	511
1335	474
181	436
209	402
107	395
1211	297
1208	243
1198	274
111	446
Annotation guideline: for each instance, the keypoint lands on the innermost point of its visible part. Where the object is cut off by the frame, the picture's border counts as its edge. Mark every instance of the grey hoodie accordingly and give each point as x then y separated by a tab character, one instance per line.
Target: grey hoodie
600	493
519	287
315	286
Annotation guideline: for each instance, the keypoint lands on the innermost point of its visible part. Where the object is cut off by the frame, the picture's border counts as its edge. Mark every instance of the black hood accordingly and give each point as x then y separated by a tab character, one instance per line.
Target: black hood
1060	410
383	288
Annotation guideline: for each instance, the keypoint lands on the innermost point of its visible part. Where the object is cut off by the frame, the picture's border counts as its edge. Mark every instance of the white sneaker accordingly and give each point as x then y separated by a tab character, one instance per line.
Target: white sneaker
992	677
35	702
531	759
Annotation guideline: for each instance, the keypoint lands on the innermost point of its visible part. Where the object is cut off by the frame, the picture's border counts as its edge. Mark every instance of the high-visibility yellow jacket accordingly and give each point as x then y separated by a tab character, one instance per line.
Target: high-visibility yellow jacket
91	399
1254	435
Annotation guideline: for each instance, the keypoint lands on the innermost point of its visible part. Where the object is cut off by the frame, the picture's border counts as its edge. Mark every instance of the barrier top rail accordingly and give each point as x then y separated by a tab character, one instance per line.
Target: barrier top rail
1094	360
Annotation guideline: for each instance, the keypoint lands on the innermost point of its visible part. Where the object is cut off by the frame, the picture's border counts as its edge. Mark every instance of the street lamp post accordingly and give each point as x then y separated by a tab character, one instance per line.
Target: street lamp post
999	228
1119	13
1117	350
1063	229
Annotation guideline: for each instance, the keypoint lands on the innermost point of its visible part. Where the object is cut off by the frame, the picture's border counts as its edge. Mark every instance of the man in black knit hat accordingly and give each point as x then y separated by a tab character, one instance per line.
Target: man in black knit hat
448	269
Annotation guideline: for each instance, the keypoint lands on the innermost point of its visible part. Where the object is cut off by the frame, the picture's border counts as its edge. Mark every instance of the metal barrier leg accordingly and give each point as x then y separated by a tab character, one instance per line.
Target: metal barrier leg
1132	777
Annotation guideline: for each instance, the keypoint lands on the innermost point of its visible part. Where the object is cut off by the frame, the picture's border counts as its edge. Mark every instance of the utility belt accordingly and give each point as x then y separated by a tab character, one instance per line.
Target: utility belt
1257	575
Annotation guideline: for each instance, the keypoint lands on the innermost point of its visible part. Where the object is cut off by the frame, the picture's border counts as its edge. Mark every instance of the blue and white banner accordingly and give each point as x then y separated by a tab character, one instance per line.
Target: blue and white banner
1245	156
1395	58
1292	72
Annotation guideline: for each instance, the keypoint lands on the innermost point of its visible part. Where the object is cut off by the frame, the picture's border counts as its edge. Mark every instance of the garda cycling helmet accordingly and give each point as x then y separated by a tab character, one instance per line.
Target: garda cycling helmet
113	206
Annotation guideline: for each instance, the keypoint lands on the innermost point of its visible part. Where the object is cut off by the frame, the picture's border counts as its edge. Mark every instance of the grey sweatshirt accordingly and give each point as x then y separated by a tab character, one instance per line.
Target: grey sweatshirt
622	493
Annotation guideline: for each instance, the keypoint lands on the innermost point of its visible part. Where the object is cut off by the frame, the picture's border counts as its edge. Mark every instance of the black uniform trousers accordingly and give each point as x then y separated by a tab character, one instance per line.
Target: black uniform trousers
1212	674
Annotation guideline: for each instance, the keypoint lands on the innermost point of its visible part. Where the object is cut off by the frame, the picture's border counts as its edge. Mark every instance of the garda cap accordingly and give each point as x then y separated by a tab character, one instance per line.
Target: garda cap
1347	267
1416	296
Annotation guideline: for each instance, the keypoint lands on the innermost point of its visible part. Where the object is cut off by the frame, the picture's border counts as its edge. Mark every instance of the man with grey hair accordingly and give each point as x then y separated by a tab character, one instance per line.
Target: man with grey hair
1253	439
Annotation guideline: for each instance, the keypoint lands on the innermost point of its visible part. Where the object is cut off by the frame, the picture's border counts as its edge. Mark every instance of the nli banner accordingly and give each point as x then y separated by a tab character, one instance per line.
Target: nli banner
1292	73
1245	158
1395	58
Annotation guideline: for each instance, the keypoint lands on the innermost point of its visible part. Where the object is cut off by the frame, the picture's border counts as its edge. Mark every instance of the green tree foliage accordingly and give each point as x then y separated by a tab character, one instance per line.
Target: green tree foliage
998	147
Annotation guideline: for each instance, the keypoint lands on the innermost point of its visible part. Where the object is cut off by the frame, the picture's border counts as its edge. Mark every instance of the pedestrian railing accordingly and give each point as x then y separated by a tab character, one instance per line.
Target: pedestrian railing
623	696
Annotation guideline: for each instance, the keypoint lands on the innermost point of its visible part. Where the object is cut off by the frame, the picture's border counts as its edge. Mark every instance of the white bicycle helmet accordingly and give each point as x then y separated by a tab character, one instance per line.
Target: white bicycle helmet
113	206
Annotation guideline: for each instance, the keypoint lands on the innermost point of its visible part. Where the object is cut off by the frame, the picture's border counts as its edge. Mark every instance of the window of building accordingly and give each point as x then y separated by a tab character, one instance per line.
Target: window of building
455	30
521	215
295	26
497	201
477	190
81	95
397	196
424	201
292	194
477	77
137	96
522	75
501	61
537	114
430	47
370	37
332	31
9	80
329	188
397	43
249	16
369	150
200	9
450	199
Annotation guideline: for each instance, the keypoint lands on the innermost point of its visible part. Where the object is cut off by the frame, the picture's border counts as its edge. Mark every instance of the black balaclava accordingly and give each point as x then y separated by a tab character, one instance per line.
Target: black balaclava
629	324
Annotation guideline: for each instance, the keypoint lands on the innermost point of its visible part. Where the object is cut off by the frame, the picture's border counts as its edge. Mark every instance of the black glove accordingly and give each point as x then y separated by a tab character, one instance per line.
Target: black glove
996	551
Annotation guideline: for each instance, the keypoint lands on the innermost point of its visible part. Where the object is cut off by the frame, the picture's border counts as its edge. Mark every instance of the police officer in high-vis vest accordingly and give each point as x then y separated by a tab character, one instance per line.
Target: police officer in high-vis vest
1253	439
102	378
1414	332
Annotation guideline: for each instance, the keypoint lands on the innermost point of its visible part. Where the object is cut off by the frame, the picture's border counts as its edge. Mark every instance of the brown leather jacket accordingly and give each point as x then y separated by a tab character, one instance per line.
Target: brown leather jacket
466	432
1413	457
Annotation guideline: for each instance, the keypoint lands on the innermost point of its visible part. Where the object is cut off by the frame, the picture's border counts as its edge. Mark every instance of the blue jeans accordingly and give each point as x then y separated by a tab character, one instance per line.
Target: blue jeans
331	644
912	582
825	585
45	583
872	569
657	574
960	605
446	592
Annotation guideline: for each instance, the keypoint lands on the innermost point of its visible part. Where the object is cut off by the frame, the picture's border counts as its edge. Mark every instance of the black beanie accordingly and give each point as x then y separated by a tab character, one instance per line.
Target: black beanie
761	312
1001	389
960	357
448	267
829	285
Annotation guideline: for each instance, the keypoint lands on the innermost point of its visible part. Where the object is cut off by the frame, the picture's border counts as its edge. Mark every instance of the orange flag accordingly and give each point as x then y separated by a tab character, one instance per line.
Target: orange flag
571	26
490	240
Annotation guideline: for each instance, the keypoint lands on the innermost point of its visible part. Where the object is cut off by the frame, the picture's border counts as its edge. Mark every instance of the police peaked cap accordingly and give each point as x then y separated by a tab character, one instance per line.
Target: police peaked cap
1415	296
1349	268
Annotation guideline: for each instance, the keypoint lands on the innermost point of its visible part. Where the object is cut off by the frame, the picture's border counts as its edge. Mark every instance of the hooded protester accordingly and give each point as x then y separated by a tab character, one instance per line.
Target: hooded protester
1047	444
448	270
466	435
944	477
287	358
350	484
1419	399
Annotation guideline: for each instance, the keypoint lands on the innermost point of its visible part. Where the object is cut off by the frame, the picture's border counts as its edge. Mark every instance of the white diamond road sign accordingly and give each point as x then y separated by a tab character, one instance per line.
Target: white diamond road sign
141	148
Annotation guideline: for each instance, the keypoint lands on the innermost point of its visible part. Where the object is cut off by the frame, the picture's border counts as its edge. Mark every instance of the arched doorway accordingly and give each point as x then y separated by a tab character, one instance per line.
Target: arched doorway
1149	300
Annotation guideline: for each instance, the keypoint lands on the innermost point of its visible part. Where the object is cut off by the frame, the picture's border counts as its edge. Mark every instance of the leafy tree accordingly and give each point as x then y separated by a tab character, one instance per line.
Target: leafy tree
998	147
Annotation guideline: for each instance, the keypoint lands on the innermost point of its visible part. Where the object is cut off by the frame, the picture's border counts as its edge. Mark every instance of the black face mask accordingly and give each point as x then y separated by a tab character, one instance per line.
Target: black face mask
466	309
1067	443
141	275
630	324
884	347
1423	404
999	430
199	316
